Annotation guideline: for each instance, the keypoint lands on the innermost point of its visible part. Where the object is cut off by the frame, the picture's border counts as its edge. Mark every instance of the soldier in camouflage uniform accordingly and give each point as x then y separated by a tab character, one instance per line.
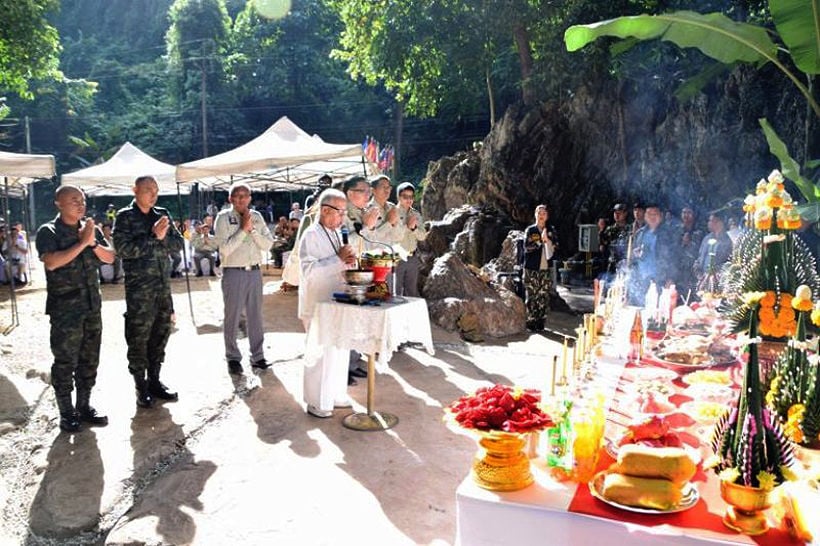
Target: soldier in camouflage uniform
540	249
615	239
71	249
143	236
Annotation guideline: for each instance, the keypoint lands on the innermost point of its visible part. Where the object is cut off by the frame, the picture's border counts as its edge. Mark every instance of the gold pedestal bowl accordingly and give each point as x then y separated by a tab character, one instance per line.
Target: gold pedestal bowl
501	464
747	505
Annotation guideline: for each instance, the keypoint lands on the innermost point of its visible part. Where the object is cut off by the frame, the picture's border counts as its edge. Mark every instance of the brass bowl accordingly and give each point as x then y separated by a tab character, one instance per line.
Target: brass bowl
359	277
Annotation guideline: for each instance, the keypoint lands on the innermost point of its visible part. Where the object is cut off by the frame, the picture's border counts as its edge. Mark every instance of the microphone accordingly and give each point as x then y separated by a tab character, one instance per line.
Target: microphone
358	227
345	235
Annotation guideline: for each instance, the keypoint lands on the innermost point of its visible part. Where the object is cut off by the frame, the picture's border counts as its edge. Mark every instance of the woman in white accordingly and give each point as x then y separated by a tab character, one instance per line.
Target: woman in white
323	258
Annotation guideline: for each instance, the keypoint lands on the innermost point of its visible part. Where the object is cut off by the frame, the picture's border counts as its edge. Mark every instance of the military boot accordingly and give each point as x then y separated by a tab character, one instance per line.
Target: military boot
157	389
87	413
69	418
144	398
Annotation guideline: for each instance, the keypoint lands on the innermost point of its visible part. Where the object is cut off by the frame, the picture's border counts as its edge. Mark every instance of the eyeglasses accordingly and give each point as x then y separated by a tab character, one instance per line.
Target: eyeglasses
337	209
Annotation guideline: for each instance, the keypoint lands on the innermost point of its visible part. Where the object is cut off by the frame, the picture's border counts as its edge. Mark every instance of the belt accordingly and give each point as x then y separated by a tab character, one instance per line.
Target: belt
243	267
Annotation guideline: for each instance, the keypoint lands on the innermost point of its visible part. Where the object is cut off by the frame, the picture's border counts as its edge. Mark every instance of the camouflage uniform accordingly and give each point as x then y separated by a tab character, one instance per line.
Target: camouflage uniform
73	305
148	301
537	281
615	239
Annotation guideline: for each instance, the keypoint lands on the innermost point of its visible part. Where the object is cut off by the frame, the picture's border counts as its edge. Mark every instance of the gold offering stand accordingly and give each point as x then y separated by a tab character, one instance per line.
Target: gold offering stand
372	420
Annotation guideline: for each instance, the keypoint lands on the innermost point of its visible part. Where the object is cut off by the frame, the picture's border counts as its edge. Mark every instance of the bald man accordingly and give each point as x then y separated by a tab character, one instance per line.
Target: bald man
144	235
72	248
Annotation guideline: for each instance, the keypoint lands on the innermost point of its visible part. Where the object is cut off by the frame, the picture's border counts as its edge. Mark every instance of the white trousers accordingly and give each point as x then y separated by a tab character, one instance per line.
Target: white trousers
325	376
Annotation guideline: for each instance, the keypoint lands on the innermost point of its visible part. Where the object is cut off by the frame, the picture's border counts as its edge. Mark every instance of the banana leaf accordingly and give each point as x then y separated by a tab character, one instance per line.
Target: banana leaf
788	166
798	23
714	34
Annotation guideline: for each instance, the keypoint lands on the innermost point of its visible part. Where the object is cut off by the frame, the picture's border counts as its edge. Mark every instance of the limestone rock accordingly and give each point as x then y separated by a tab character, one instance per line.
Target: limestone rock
609	141
459	301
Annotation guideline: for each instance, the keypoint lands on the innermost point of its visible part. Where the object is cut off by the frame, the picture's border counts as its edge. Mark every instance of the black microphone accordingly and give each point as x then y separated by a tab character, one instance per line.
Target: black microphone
358	227
345	235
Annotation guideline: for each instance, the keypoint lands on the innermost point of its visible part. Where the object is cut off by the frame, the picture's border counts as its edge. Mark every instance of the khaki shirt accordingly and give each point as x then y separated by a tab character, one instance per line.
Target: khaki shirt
410	239
238	248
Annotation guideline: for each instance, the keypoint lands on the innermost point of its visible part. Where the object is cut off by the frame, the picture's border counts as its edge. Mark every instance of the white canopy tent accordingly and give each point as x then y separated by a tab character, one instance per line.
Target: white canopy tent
18	171
283	157
116	176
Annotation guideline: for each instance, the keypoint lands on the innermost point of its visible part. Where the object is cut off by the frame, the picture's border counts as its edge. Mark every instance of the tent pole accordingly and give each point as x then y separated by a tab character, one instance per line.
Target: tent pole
15	318
27	229
364	167
185	259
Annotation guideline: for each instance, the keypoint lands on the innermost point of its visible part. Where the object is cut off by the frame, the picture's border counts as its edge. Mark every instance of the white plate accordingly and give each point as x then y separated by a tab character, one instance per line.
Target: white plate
689	499
647	373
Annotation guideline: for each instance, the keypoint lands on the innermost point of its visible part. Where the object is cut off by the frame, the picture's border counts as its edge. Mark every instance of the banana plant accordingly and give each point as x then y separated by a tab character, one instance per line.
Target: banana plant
727	41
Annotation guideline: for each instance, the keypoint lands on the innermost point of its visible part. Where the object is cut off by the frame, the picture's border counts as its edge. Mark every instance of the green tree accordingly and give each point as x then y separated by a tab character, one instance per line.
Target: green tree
29	45
198	41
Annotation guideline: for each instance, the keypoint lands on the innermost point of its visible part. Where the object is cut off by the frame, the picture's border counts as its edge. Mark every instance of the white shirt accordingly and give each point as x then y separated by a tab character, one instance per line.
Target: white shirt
321	271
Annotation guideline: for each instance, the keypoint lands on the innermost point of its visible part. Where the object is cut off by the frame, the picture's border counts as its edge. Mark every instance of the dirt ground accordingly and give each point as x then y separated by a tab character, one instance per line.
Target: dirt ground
237	460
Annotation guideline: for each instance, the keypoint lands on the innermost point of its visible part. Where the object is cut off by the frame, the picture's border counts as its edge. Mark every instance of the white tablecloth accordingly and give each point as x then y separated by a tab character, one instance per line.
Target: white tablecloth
371	329
539	515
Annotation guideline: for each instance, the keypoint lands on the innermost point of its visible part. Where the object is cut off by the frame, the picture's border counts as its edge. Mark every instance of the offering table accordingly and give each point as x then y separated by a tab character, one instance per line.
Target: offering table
376	331
561	512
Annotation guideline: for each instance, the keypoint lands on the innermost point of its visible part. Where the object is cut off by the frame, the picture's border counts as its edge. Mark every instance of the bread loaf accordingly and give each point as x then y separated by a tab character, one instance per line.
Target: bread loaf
669	463
652	493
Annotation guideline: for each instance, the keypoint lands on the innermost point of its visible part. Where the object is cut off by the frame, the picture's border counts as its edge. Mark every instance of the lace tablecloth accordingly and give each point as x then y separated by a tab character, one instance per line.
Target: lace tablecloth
369	329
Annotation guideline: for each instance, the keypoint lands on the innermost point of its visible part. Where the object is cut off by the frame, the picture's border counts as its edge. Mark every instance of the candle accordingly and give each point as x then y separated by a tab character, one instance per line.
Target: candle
554	373
564	361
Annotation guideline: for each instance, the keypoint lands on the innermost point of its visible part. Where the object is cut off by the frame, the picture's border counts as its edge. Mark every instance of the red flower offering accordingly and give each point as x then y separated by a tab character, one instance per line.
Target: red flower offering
501	408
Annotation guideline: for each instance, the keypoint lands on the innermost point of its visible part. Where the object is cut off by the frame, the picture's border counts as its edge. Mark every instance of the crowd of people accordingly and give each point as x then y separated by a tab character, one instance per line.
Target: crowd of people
340	221
140	244
648	244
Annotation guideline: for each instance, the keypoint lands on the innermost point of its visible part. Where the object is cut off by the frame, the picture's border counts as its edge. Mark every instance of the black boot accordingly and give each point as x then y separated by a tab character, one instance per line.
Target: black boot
69	418
87	413
157	389
144	398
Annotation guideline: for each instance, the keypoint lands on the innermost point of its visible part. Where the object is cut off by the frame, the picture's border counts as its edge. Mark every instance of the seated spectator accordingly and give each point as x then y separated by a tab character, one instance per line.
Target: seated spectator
111	273
205	247
281	228
15	251
295	212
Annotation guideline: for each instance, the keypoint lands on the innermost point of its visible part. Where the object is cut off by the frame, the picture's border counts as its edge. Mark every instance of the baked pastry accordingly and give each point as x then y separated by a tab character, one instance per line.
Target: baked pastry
658	494
668	463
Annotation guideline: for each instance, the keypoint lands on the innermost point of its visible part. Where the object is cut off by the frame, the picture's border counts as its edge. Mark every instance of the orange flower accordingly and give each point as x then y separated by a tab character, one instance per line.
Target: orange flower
774	200
769	299
766	314
785	299
802	305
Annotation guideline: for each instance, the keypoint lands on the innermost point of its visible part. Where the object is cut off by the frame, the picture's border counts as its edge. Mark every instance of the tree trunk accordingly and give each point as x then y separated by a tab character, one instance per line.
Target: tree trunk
522	43
490	97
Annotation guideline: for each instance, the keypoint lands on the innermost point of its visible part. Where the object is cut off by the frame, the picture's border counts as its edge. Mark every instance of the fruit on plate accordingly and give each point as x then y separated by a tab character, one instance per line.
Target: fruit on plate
653	431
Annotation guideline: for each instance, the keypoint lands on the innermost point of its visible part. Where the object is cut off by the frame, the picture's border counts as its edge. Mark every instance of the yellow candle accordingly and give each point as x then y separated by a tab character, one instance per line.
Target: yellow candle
564	361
